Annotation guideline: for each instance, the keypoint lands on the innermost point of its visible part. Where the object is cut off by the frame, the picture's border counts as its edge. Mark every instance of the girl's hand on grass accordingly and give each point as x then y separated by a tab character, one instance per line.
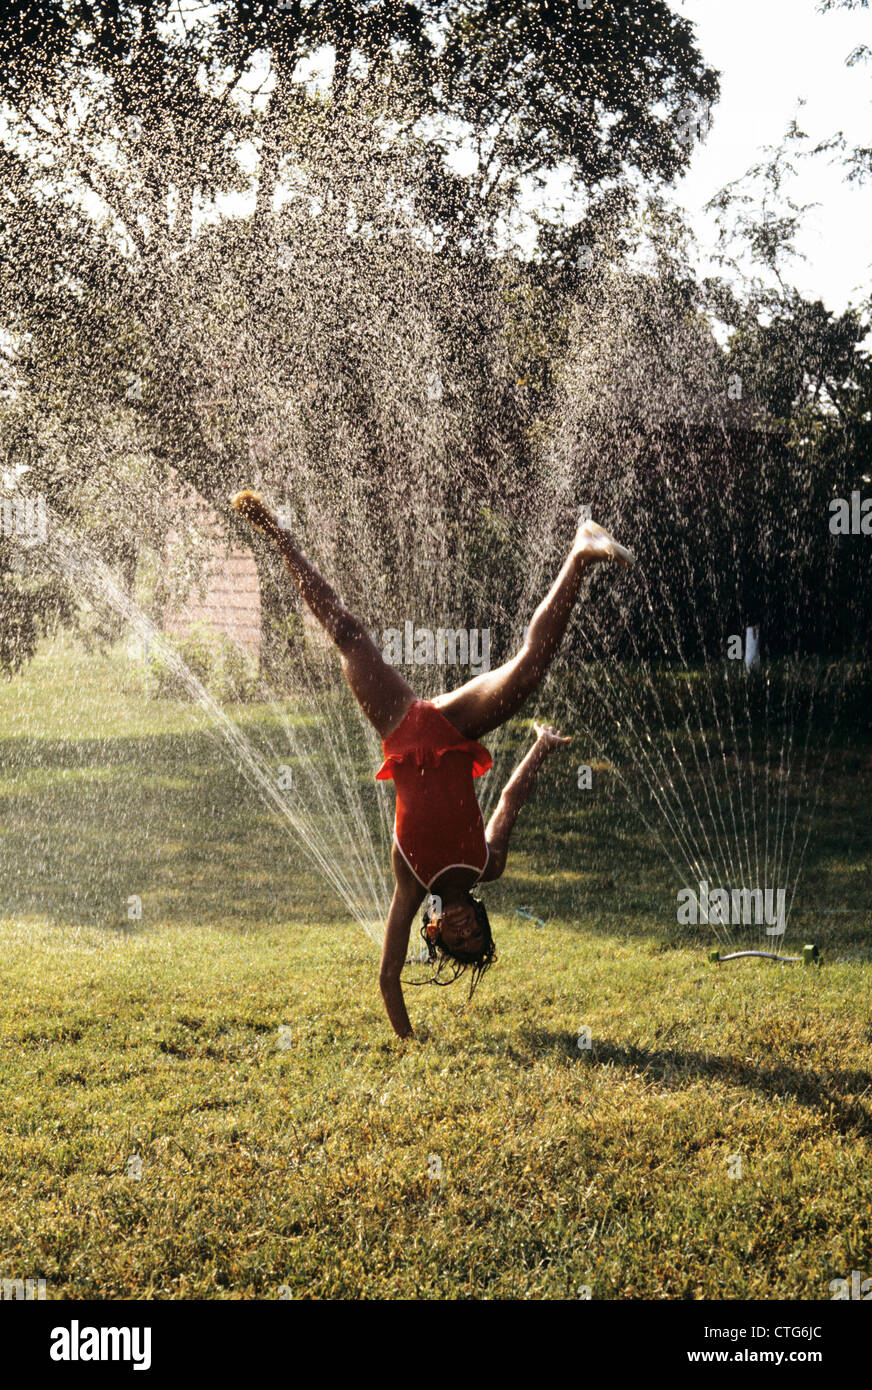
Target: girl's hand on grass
549	737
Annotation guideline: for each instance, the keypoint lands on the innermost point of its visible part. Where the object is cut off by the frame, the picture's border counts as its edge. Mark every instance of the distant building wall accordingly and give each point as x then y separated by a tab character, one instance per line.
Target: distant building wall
229	599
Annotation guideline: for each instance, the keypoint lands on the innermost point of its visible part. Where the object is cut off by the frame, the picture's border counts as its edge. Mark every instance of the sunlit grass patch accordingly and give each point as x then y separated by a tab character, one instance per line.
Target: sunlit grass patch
206	1101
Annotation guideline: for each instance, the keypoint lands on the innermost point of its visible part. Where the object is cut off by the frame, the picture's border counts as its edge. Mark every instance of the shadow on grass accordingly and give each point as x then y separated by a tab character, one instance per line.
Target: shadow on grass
829	1093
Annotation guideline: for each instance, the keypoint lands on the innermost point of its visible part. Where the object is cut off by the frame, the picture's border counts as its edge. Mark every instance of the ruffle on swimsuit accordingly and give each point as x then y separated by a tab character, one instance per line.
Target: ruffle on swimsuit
423	737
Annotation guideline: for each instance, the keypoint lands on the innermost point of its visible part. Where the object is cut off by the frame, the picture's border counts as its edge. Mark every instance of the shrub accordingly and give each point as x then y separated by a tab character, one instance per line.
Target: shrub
225	671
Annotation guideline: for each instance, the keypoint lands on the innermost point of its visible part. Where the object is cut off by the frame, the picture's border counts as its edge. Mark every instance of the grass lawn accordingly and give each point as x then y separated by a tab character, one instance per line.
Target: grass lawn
162	1139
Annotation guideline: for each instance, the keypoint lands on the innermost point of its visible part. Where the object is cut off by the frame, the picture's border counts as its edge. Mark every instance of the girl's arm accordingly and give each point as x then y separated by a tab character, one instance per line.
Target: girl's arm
408	897
515	794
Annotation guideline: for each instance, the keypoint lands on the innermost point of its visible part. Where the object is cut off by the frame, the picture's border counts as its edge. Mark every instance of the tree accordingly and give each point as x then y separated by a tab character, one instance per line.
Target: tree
859	160
135	303
529	85
810	370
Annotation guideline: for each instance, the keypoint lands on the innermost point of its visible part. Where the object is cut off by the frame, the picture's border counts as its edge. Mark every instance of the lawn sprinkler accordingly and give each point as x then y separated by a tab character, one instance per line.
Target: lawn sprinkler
810	956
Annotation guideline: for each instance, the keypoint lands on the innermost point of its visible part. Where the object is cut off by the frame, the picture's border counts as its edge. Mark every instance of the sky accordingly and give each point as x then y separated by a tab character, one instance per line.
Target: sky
772	53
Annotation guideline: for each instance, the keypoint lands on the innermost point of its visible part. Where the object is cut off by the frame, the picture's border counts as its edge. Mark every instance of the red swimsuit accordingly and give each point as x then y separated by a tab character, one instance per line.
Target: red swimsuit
438	823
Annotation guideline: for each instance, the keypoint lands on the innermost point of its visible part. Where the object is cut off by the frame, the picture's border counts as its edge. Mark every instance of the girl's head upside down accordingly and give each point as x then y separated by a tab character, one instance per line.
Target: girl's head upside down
458	940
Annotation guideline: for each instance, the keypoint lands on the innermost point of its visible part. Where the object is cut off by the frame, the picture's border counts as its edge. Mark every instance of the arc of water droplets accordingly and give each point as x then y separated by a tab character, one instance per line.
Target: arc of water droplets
85	571
655	693
654	787
674	820
368	883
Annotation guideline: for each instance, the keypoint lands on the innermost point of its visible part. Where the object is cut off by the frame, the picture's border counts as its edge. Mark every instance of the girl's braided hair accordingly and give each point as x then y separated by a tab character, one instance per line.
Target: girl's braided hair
452	964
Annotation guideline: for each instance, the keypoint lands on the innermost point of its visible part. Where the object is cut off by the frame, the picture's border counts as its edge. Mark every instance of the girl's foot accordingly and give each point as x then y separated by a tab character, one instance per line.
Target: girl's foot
252	506
593	542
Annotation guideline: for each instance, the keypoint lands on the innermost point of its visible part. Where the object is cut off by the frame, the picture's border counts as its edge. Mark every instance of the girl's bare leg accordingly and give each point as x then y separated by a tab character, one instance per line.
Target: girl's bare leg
382	693
493	697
